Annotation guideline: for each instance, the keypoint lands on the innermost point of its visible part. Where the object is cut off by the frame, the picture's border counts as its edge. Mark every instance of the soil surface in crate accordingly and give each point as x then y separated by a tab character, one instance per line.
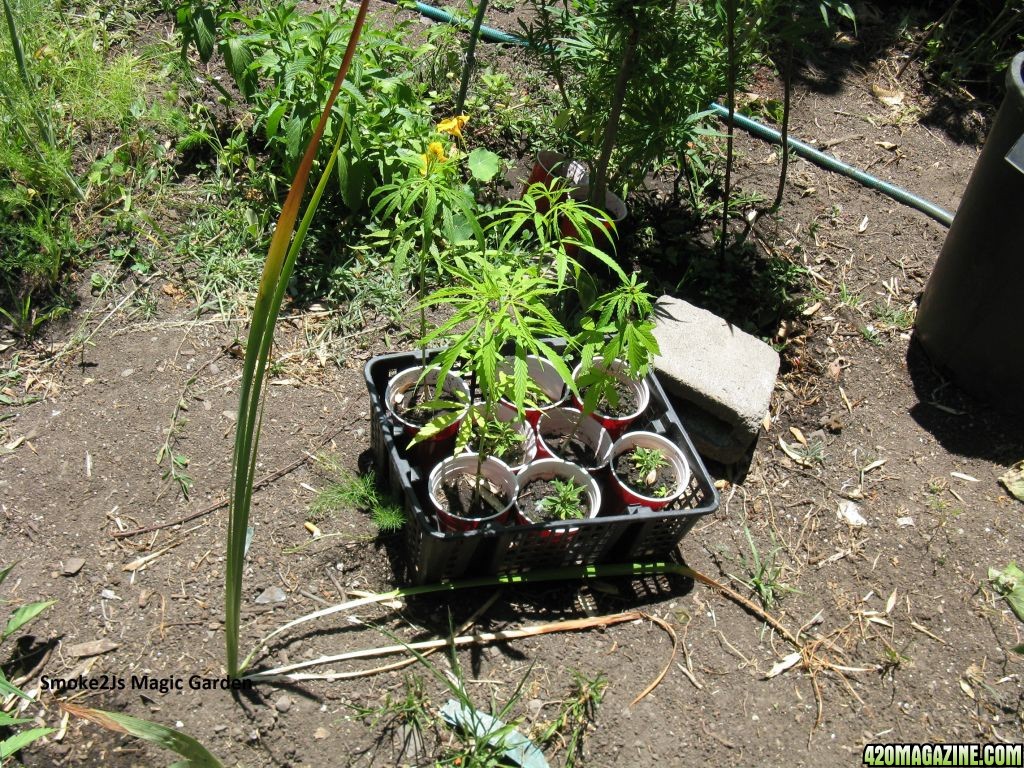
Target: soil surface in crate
411	404
533	494
646	483
465	497
571	449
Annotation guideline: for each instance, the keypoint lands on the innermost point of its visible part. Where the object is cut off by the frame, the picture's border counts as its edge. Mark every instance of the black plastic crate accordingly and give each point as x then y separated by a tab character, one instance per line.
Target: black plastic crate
641	534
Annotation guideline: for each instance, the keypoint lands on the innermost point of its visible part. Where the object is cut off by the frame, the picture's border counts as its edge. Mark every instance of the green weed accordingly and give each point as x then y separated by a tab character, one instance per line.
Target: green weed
891	317
62	85
576	716
848	298
763	573
347	491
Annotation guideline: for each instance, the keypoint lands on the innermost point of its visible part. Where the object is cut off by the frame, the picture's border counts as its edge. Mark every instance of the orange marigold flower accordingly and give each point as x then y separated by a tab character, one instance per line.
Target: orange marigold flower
453	125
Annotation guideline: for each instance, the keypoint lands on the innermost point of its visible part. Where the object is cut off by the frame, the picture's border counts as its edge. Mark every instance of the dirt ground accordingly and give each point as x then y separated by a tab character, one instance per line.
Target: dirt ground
902	603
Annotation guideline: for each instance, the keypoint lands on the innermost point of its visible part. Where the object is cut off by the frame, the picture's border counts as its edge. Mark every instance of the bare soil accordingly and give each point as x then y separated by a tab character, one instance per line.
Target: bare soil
461	499
571	449
626	403
904	638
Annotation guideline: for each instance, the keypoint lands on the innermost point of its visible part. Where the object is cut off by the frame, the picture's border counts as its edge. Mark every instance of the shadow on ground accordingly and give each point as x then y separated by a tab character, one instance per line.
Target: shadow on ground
963	424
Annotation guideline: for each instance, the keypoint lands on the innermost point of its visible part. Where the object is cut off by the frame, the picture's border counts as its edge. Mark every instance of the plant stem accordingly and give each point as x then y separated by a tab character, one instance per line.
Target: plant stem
600	186
544	10
422	288
730	12
787	97
467	69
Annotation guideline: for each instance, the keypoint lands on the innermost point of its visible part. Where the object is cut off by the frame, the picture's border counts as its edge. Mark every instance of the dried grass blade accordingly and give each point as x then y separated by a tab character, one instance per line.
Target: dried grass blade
479	638
668	665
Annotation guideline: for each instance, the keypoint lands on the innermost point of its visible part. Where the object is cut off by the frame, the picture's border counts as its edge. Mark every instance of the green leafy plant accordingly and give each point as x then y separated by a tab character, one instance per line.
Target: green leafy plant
617	326
283	61
635	79
280	262
566	503
535	225
499	438
20	739
427	203
647	461
497	308
763	574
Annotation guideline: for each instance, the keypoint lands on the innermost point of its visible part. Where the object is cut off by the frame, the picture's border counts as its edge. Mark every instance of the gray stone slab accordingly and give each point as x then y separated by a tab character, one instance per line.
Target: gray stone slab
723	376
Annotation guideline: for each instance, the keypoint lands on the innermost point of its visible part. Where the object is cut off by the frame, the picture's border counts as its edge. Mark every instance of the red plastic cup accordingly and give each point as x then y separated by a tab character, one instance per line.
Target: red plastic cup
493	470
616	425
626	495
565	421
546	469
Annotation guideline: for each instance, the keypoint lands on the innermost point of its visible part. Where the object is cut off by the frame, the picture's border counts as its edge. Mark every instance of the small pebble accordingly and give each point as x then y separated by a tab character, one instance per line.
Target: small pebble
283	704
272	595
72	566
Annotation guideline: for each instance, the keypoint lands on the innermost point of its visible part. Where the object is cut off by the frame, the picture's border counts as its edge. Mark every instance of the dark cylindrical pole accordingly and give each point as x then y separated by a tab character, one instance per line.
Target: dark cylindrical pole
971	318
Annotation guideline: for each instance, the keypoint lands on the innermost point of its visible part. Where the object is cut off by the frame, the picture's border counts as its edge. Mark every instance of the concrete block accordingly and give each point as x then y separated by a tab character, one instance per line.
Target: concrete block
723	376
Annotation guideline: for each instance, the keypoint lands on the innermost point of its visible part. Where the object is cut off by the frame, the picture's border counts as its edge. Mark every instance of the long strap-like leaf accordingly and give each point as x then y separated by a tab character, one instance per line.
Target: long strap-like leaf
261	332
195	754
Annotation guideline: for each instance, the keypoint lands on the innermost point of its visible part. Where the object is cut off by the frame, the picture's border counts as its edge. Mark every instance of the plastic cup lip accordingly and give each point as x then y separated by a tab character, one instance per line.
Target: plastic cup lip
670	450
407	379
466	464
598	438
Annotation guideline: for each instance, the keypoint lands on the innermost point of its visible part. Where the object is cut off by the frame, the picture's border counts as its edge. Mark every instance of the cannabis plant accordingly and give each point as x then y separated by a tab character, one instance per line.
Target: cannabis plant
497	309
635	77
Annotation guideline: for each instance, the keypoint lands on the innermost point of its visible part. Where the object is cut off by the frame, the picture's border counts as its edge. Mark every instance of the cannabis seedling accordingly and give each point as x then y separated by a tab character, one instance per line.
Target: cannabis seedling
566	503
647	461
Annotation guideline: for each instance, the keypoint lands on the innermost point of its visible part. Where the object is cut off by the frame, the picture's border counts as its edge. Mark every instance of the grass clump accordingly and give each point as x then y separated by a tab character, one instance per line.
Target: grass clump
66	99
348	491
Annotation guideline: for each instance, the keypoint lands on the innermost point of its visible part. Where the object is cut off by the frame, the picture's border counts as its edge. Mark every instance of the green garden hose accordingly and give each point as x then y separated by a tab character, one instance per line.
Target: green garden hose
751	126
488	33
827	161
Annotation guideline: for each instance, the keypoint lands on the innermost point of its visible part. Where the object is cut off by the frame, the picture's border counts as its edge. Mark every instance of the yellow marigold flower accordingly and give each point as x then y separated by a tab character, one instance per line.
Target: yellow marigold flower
453	125
436	150
434	153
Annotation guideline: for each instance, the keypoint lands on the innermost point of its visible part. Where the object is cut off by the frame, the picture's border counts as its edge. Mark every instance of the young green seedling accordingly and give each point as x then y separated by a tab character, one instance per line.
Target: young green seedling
566	503
647	461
